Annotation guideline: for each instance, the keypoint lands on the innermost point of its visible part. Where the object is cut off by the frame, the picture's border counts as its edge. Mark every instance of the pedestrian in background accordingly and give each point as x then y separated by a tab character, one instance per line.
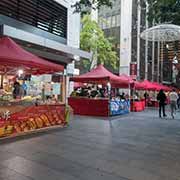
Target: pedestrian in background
178	101
173	100
161	97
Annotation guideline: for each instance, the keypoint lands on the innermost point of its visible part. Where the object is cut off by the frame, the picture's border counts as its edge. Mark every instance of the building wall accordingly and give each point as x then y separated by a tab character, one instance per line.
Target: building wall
125	32
109	20
73	36
134	37
125	36
118	22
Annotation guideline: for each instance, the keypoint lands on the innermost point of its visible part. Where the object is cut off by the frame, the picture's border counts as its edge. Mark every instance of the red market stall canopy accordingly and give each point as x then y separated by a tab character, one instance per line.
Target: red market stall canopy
13	56
128	78
139	85
101	75
151	86
161	86
78	84
145	85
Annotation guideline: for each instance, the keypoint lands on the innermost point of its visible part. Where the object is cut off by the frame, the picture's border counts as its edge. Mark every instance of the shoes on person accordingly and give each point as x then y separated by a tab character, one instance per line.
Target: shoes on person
173	116
165	115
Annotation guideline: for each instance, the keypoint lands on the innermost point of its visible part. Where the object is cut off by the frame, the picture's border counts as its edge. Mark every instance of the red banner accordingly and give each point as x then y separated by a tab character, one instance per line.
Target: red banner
133	69
32	118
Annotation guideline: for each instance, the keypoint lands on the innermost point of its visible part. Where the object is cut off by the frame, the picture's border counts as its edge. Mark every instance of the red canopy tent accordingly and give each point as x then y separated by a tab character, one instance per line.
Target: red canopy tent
166	88
102	75
12	56
78	85
161	86
153	86
145	85
128	78
139	85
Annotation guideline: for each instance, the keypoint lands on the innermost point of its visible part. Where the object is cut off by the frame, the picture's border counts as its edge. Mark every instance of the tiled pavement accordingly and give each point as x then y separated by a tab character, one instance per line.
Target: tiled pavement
138	146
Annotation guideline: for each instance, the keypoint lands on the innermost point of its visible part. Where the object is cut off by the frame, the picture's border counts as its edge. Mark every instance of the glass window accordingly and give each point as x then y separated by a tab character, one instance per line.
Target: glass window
113	23
103	24
108	22
38	13
118	20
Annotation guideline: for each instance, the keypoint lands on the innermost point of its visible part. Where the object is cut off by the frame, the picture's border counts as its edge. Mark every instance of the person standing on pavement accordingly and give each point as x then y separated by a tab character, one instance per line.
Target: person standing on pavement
178	101
173	100
161	97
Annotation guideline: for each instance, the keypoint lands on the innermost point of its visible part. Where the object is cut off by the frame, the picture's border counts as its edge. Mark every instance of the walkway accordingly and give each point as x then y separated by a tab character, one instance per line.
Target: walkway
138	146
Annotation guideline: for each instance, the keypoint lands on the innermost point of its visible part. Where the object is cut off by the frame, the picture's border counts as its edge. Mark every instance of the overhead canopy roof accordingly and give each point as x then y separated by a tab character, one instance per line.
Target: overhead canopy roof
13	56
101	75
128	78
153	86
44	47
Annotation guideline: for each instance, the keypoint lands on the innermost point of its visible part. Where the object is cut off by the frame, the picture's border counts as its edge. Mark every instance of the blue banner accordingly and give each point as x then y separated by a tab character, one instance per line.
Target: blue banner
118	107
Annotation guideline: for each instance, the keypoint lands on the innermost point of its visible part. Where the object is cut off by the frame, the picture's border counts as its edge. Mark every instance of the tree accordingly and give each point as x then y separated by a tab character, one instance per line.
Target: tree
164	11
95	4
92	39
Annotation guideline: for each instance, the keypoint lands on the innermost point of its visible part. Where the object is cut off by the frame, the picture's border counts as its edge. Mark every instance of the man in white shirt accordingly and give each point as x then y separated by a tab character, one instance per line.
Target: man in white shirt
173	100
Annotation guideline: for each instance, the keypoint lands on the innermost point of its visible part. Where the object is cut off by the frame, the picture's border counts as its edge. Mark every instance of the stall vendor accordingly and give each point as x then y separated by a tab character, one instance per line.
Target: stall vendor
18	91
136	97
24	86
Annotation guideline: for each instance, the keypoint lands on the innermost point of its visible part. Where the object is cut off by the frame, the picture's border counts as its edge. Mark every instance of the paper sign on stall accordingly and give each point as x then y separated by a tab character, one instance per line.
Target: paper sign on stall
56	88
47	89
47	78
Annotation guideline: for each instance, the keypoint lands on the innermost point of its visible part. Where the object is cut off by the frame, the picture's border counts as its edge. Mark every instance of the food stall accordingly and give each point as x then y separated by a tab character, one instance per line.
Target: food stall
105	105
31	94
151	88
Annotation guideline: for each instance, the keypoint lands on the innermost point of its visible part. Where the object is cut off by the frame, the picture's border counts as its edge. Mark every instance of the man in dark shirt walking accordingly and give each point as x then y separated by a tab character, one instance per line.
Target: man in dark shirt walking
161	97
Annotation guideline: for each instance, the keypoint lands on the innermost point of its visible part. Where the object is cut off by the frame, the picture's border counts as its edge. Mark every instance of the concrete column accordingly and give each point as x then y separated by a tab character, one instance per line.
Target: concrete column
146	43
158	63
138	38
94	17
153	56
125	36
162	57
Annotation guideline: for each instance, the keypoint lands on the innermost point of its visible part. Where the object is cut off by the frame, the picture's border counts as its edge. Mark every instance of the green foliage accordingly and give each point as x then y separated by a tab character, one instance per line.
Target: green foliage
95	4
92	39
164	11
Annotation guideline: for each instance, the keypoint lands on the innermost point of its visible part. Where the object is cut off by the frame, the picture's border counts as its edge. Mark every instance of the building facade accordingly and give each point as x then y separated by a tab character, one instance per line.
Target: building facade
109	20
47	28
121	22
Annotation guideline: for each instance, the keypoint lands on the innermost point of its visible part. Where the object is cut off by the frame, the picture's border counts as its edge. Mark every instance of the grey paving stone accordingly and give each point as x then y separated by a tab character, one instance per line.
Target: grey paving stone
34	170
5	156
7	174
138	146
